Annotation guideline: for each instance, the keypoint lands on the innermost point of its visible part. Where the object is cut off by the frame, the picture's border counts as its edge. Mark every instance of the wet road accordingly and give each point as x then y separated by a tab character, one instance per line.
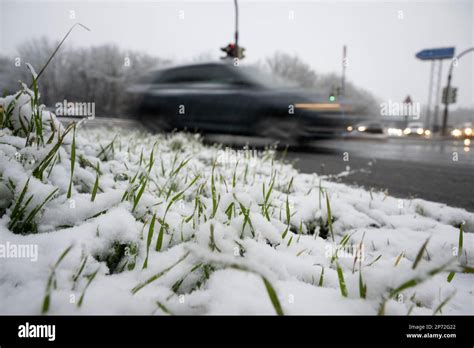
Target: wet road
440	171
436	170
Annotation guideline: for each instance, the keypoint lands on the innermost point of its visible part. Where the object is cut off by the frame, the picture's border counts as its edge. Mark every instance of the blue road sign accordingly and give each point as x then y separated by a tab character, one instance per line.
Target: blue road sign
436	53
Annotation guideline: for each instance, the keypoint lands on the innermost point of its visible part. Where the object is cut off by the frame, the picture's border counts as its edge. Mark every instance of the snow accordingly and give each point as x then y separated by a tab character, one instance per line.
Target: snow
213	256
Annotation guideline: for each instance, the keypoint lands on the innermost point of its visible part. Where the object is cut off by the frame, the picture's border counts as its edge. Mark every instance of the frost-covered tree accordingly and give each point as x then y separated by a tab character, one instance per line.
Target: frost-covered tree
293	69
99	74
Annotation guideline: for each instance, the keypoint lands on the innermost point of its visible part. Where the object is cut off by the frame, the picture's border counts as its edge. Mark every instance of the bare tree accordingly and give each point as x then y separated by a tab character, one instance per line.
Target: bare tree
97	74
293	69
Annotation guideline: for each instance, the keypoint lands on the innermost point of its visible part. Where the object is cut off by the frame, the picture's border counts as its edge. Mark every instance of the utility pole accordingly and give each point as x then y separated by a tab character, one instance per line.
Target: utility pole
437	96
430	93
450	75
344	64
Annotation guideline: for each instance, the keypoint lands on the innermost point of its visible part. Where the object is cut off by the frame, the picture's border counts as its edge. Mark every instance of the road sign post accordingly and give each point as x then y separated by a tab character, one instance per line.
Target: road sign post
436	56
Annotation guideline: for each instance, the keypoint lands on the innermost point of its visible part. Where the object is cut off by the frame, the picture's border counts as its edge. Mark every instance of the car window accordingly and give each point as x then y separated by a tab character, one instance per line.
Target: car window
261	78
197	74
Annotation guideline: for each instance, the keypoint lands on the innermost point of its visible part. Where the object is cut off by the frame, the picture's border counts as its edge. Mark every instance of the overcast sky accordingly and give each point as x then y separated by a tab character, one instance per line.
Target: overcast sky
382	36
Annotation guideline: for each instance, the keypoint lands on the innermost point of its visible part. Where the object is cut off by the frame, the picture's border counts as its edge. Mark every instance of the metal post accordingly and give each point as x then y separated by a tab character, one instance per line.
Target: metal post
430	88
437	98
445	114
236	26
343	79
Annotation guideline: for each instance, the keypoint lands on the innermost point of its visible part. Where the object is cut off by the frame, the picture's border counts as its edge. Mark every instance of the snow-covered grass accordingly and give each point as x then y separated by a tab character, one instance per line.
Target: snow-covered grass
127	222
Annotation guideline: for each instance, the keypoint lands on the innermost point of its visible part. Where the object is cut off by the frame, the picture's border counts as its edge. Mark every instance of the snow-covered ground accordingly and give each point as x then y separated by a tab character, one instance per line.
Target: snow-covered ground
160	224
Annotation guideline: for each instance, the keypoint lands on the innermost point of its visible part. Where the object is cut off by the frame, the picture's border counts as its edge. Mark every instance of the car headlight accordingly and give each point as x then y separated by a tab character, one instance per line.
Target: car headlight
468	131
361	128
467	142
407	131
427	132
419	131
456	133
394	131
349	129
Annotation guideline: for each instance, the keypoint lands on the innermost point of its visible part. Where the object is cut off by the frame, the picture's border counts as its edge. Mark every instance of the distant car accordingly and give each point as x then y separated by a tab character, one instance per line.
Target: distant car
416	129
223	98
464	130
367	127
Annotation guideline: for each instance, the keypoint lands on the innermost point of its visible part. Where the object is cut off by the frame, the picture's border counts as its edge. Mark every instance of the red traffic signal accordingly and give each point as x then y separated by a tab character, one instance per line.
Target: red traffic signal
233	51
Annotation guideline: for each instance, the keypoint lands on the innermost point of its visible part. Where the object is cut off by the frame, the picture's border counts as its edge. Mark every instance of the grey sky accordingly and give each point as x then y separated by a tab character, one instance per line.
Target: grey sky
381	45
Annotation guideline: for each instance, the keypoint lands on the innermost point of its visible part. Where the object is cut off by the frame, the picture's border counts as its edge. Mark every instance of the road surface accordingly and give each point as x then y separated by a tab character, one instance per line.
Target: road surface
436	170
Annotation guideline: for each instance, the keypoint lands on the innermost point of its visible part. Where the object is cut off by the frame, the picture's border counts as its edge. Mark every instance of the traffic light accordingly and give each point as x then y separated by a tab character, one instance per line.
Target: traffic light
454	94
233	52
336	91
449	95
240	53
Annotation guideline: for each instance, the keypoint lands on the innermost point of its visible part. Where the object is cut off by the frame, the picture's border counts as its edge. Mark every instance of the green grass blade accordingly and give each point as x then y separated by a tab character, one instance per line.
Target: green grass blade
96	185
273	296
158	275
362	286
89	281
151	229
443	303
460	243
328	206
73	161
51	281
420	253
20	199
342	284
321	277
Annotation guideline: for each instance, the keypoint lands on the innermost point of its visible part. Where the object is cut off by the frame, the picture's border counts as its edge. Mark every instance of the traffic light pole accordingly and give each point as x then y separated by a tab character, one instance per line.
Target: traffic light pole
435	121
236	26
448	87
343	78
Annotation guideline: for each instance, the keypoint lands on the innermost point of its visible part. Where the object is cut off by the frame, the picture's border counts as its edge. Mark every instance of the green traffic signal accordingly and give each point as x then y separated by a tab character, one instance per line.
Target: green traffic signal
332	98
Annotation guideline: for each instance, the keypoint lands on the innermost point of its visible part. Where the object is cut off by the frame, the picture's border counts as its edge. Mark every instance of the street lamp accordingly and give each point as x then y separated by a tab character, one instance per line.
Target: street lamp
446	102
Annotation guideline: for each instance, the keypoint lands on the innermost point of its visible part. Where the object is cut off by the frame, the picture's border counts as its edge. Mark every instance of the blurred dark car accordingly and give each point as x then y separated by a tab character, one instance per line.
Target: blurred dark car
223	98
368	127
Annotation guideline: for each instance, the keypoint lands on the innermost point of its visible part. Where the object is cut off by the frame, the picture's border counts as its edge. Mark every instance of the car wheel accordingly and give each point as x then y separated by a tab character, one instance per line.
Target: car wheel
286	132
156	123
